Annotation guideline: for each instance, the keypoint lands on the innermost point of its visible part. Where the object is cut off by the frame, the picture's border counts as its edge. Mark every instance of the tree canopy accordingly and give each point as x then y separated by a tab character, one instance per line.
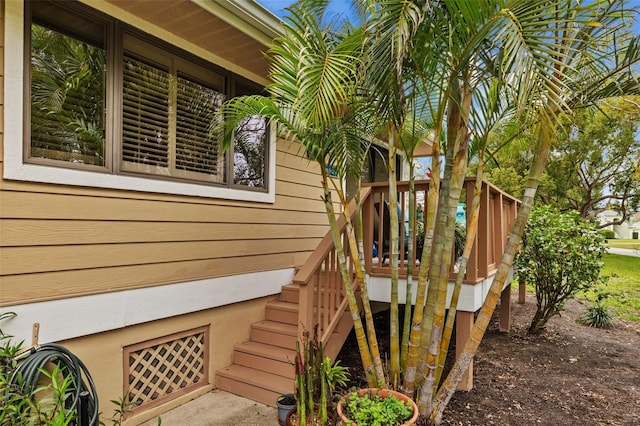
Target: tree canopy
593	163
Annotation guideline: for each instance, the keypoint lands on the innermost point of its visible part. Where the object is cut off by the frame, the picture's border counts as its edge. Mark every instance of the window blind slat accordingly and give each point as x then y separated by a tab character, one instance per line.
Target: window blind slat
145	114
196	150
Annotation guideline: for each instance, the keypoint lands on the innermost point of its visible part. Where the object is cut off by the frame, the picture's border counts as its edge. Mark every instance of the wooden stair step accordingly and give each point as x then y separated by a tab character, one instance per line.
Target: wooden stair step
290	293
269	358
275	333
253	384
279	311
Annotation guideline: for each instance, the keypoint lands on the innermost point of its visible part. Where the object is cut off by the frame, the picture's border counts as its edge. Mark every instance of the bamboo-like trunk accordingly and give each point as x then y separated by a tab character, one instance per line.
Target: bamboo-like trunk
301	408
406	325
472	230
361	338
394	334
320	370
380	380
457	148
309	364
446	391
431	207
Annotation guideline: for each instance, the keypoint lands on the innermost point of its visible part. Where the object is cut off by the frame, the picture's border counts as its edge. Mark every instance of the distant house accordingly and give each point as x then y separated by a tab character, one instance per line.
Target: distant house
628	229
135	241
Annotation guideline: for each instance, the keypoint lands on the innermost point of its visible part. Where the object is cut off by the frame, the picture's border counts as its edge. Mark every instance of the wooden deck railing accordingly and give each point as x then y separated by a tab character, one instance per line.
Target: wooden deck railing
322	298
497	214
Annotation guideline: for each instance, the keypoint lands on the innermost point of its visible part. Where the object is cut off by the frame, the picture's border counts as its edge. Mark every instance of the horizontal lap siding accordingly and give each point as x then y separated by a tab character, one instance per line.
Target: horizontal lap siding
59	241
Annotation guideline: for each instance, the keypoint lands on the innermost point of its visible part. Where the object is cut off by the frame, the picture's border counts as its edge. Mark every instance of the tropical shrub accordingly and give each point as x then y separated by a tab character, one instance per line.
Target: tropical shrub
316	378
607	233
597	316
561	255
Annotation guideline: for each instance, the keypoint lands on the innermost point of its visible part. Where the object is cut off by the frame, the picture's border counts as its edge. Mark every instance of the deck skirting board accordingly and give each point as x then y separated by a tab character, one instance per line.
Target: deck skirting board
471	295
80	316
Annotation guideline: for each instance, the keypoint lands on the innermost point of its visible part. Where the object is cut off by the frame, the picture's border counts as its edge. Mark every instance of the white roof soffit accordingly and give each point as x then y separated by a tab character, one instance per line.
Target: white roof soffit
248	16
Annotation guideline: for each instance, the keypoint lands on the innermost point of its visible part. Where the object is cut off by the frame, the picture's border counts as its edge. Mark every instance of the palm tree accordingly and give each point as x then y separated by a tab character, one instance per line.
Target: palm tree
313	100
461	66
543	57
570	56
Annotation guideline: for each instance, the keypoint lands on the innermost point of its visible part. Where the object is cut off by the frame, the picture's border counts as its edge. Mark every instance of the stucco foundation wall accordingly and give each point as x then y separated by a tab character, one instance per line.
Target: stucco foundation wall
103	352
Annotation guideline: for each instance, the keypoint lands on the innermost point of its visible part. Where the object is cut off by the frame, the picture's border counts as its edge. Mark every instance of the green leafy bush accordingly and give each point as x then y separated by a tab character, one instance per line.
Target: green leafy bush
607	233
561	255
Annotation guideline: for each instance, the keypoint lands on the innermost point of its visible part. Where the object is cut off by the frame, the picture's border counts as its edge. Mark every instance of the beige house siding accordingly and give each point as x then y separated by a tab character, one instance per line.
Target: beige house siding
61	241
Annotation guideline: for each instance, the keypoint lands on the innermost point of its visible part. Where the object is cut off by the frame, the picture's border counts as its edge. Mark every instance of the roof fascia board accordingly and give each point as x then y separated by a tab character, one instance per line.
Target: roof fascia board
247	16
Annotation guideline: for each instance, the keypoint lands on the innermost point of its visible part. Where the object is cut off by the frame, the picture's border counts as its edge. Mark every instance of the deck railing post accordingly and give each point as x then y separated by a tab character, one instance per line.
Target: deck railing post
305	304
483	232
472	264
505	309
499	231
367	232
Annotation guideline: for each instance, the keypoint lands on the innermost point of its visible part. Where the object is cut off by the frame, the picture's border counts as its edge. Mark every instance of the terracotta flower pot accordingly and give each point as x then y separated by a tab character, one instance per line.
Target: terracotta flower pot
383	393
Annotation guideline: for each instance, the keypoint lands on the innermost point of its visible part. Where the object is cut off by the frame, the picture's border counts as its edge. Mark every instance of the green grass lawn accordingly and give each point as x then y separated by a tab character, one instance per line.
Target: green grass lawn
623	285
628	244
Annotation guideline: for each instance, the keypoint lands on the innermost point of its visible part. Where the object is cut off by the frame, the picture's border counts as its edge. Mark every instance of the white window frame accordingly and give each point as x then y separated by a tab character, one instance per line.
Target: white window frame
15	168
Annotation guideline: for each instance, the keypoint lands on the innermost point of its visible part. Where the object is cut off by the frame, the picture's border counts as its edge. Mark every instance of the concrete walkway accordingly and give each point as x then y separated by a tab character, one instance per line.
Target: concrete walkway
624	252
218	408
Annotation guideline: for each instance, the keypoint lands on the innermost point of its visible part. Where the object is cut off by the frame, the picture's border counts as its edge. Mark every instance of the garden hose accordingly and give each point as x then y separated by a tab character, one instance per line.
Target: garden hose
28	373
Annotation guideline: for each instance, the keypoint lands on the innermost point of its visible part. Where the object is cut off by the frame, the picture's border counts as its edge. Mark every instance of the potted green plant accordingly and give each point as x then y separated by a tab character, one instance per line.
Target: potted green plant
377	407
316	378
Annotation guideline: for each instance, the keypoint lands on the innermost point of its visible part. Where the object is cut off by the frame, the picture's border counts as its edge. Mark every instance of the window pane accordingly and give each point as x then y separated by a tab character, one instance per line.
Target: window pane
196	149
249	152
67	98
145	115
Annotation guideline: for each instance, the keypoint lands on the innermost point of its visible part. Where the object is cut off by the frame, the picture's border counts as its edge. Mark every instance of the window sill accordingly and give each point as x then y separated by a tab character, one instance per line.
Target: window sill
56	175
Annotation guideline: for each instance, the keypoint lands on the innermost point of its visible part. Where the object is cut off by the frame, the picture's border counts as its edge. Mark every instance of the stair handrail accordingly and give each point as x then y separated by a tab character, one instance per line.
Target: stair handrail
309	272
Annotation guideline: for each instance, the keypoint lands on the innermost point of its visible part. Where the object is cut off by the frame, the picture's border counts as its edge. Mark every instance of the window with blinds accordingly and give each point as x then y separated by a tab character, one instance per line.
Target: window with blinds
198	152
164	99
145	117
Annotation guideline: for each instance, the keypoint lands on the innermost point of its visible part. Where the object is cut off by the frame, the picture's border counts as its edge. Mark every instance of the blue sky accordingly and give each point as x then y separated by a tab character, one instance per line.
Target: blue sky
341	7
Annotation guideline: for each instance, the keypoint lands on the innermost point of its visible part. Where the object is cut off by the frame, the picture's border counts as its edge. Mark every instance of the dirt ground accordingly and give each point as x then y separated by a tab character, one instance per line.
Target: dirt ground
568	375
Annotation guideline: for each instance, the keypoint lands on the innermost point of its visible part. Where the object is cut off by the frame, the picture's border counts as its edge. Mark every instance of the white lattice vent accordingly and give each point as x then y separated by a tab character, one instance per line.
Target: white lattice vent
167	367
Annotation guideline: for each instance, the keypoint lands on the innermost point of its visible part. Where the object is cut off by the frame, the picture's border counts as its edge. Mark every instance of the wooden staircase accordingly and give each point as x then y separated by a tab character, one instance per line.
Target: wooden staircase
262	368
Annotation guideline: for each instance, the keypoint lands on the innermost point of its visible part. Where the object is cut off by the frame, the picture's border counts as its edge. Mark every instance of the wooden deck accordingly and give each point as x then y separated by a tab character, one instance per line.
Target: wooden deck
262	368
